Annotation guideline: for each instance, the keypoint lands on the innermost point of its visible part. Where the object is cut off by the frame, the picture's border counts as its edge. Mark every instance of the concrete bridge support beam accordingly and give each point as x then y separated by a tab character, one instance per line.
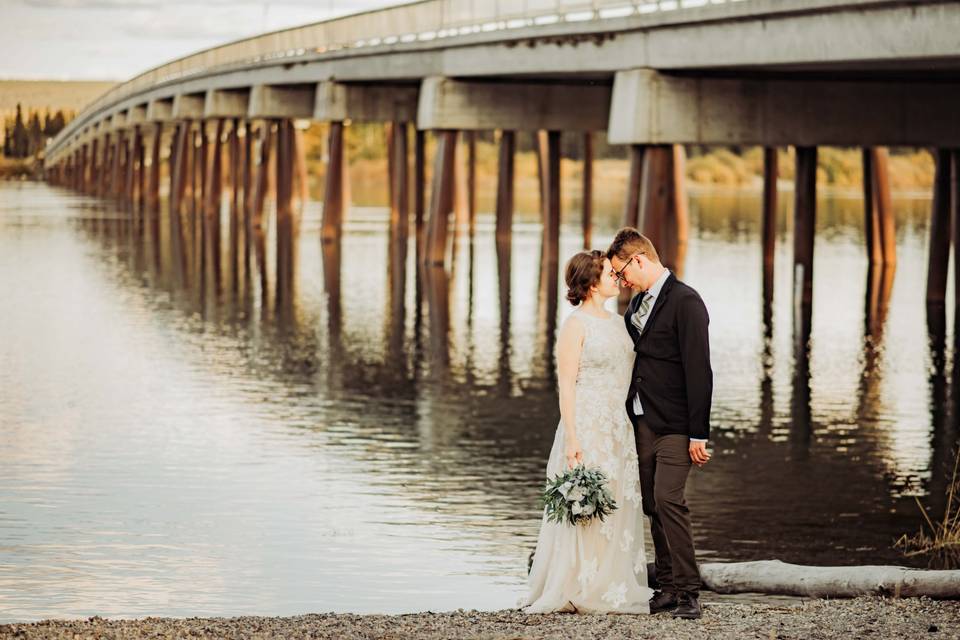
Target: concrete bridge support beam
382	102
446	103
649	107
160	110
282	101
226	103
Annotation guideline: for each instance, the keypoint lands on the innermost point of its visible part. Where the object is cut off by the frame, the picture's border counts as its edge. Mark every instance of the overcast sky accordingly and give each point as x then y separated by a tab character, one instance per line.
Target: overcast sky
116	39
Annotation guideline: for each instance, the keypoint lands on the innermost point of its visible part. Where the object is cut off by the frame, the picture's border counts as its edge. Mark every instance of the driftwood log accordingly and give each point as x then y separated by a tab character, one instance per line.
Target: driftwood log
781	578
774	577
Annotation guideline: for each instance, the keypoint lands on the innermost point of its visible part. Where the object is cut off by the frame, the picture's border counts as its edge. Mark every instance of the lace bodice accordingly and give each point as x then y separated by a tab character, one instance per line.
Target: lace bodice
603	381
606	361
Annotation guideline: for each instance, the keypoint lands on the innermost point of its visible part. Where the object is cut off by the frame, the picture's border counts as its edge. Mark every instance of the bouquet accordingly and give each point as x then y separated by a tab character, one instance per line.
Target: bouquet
577	496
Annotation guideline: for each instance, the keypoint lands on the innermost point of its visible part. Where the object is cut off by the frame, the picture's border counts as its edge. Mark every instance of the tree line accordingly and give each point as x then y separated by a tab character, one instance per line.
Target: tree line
25	137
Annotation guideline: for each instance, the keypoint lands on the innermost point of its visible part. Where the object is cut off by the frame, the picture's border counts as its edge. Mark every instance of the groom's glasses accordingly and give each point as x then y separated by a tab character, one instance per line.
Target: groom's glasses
619	274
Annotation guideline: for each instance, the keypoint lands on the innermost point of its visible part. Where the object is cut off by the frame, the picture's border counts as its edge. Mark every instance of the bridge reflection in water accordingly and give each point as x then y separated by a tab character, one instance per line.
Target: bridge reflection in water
226	410
813	416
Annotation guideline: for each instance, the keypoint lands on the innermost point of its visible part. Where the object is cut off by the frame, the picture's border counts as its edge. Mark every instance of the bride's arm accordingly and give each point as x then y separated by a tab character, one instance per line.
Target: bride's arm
569	346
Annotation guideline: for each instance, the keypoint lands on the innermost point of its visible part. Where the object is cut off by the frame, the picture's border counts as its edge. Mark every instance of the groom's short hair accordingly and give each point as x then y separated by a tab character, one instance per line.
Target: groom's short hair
629	242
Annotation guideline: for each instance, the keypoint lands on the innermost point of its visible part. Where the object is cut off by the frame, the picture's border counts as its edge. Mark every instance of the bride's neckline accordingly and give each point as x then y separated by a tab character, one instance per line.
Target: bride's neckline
607	317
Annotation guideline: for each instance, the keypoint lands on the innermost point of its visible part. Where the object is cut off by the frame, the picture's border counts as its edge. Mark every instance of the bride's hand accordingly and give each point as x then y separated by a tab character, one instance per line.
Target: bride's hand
573	453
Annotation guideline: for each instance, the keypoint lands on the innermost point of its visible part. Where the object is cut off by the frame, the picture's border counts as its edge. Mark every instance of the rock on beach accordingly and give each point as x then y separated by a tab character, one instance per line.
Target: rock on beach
877	618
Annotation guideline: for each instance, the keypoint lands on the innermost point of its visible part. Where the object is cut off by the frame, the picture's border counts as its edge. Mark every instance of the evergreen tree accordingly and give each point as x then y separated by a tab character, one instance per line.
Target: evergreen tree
7	137
35	134
21	140
59	122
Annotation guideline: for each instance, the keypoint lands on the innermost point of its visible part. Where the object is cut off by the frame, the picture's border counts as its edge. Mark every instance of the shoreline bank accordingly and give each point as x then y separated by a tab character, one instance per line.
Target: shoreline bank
878	618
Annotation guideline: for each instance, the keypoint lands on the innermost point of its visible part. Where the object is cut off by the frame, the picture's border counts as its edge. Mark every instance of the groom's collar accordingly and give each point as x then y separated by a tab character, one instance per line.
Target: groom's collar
655	288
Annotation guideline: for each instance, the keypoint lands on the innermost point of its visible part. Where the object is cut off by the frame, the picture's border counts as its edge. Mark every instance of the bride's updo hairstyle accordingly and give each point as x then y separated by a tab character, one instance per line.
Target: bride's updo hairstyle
583	271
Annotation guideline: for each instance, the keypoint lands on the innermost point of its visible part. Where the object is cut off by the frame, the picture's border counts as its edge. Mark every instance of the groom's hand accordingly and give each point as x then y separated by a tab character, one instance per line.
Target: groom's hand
698	453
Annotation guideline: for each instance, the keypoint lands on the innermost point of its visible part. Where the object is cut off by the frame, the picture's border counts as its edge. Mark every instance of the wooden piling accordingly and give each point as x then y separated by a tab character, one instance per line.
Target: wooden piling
141	158
419	186
94	172
586	219
880	230
472	182
116	178
263	176
389	128
541	144
333	189
804	227
955	216
400	209
770	175
284	195
153	198
214	199
505	182
104	171
631	209
939	250
676	225
248	167
551	220
441	198
300	174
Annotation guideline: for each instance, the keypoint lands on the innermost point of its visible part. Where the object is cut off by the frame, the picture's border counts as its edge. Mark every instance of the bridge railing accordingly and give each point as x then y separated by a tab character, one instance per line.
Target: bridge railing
425	20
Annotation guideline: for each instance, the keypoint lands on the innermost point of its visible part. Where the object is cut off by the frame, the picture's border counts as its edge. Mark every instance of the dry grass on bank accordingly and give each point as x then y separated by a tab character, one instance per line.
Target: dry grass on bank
939	540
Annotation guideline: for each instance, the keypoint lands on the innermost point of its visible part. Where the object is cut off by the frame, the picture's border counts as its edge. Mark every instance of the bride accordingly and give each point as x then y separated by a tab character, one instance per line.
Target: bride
600	567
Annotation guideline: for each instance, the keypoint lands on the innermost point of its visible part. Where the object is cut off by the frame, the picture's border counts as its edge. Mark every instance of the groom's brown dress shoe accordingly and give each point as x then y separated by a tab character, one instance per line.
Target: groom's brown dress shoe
663	601
688	606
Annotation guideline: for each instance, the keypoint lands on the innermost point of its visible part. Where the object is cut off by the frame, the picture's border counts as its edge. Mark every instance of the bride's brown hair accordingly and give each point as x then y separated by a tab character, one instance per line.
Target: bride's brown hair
583	271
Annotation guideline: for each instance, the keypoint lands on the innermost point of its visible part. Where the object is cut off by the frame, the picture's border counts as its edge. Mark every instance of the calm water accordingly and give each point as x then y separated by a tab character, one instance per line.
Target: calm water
168	448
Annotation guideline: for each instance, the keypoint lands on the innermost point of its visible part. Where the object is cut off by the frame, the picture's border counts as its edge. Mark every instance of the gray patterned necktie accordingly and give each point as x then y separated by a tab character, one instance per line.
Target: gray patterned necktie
639	319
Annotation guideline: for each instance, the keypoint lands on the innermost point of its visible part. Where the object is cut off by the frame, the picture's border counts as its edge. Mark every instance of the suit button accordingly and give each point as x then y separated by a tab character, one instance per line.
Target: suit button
639	379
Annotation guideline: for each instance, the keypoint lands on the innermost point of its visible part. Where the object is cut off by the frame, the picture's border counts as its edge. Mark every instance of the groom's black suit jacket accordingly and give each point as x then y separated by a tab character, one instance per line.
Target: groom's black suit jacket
672	371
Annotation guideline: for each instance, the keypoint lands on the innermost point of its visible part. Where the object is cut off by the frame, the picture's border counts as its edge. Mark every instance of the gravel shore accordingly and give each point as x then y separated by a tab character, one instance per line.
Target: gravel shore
860	618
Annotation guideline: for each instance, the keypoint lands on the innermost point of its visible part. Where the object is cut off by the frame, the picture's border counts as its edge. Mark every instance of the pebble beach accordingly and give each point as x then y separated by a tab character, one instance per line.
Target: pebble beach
878	618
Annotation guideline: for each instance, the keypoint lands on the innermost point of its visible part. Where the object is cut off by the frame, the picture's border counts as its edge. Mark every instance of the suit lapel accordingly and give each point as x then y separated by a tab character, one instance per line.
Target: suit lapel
657	305
628	316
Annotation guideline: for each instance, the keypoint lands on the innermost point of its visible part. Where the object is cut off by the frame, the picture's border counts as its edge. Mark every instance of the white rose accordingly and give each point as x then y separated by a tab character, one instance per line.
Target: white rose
576	509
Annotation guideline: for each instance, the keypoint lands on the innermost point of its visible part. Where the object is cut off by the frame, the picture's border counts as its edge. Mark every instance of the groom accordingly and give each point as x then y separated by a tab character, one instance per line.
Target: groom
669	404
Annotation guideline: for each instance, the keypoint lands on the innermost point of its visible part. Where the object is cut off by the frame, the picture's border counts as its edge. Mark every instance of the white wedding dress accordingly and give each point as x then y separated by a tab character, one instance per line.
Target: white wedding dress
599	567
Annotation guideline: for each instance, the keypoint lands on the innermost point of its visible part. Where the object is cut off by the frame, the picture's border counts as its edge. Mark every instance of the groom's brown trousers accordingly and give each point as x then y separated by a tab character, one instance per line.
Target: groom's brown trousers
664	466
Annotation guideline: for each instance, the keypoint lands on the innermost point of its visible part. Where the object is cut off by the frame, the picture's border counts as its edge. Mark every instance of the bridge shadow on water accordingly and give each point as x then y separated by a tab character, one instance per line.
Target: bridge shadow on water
822	434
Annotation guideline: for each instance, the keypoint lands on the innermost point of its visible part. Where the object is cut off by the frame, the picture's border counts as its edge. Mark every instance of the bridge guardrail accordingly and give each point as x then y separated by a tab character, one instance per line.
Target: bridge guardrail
417	21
